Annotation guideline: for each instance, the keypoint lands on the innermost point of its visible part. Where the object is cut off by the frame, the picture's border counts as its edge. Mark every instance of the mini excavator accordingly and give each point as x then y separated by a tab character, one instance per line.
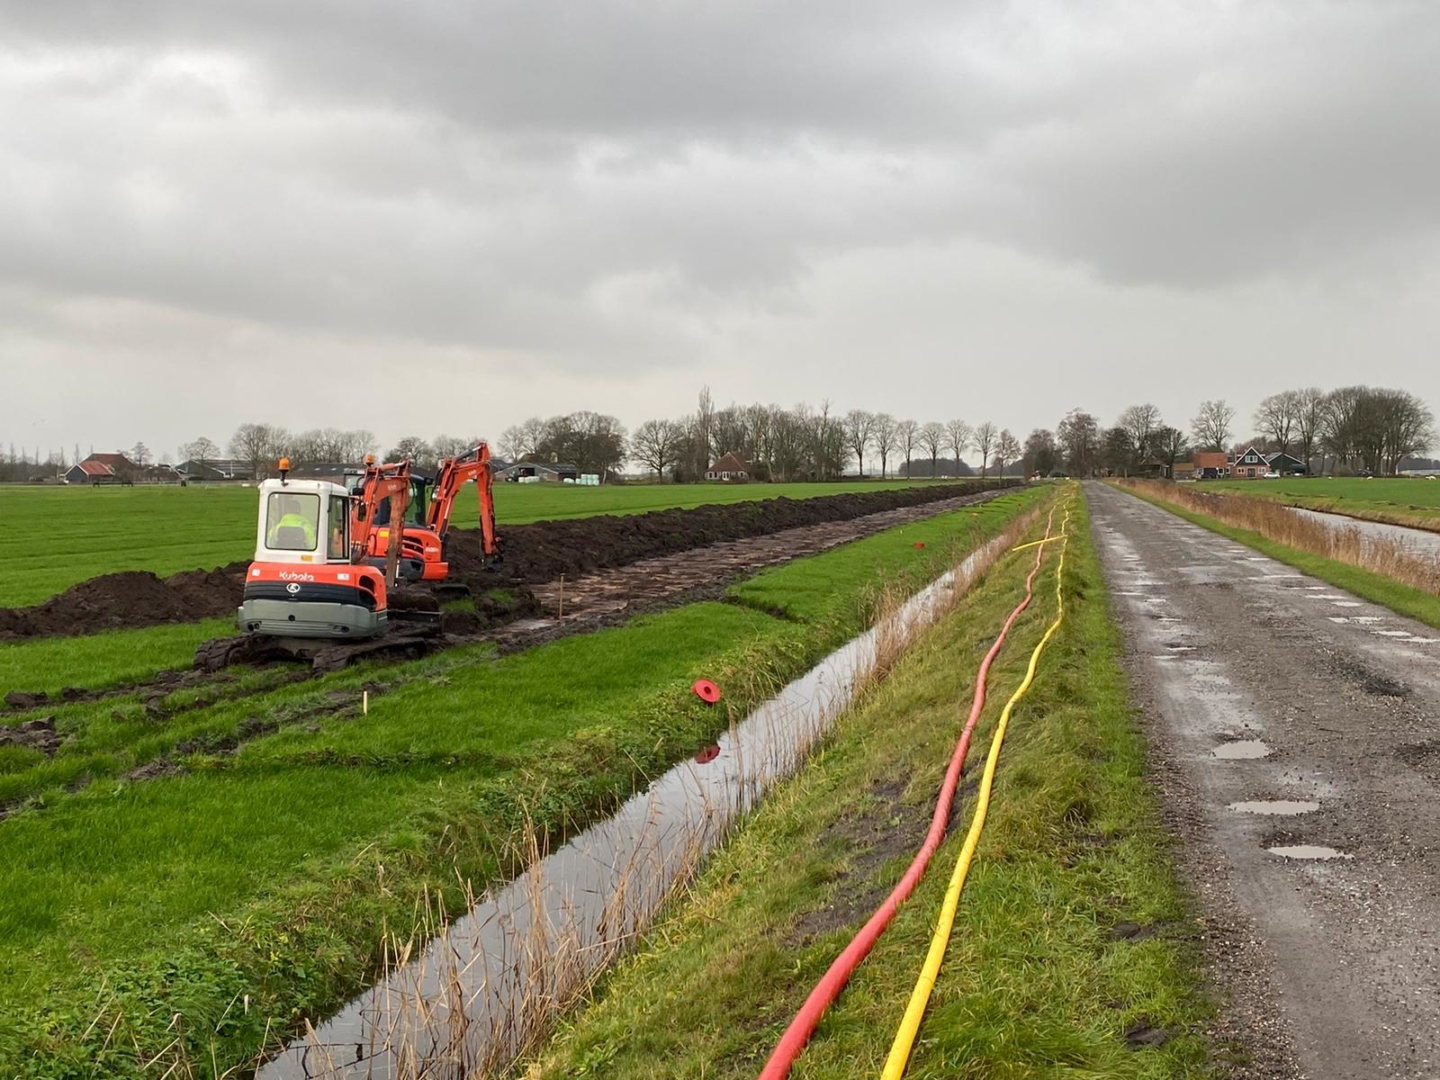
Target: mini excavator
330	562
425	546
312	576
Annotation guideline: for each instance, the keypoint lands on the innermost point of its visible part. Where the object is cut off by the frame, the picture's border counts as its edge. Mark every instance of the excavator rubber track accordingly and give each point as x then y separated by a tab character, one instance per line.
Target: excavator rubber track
403	641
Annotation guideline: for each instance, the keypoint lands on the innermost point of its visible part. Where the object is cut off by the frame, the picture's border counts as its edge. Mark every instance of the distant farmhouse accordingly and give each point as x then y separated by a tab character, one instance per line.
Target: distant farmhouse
729	467
100	469
215	469
533	471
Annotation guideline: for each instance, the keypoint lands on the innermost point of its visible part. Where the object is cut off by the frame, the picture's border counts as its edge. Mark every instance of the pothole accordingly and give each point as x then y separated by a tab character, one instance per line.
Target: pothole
1308	851
1242	749
1284	807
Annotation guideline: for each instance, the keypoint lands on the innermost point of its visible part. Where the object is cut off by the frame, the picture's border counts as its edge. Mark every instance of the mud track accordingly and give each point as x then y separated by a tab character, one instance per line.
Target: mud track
533	554
1290	720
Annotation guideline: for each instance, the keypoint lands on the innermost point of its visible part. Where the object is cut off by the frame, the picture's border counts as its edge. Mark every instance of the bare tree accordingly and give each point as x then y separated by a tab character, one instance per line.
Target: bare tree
702	432
1140	422
655	445
886	440
1169	443
139	454
1079	437
201	451
523	440
1040	452
1211	425
452	446
1007	449
985	436
414	449
932	438
859	430
908	434
258	445
1276	417
1309	417
958	434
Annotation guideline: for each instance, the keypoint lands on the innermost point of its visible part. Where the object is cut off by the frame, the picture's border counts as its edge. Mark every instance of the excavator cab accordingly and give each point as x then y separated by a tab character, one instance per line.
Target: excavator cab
303	583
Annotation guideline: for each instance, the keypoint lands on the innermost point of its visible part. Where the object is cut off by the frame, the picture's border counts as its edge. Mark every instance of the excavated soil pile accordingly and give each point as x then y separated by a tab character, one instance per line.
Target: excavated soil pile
543	551
129	599
533	554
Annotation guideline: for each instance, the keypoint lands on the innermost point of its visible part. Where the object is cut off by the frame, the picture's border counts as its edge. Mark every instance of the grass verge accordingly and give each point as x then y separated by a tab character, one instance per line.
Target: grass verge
1071	954
1416	603
273	873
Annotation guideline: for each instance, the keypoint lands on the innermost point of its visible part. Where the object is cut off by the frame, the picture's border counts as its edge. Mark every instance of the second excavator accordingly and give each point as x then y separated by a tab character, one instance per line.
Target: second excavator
425	551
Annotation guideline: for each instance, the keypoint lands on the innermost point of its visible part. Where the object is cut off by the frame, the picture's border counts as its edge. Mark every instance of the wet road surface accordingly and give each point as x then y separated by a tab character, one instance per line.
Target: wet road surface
1258	685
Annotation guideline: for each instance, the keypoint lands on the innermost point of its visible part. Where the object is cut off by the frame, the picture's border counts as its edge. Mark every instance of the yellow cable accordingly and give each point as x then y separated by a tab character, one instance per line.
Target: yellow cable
1037	543
930	971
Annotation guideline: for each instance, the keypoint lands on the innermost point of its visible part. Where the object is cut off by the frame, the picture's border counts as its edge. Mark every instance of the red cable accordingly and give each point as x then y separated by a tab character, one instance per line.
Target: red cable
834	980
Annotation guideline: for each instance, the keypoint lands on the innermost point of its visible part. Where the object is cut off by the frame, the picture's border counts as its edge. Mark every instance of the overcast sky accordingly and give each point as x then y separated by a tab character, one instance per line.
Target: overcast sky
445	216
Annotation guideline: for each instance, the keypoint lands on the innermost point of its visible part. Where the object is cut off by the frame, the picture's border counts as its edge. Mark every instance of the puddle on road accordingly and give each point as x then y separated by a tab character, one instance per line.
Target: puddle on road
1307	851
1242	750
1283	807
466	1005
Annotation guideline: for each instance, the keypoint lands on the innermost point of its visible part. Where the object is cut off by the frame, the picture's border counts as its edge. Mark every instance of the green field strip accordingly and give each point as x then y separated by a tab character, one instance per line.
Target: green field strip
57	537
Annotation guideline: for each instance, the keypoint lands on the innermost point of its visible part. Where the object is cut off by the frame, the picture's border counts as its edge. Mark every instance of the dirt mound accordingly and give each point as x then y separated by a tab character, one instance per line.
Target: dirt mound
129	599
533	554
543	551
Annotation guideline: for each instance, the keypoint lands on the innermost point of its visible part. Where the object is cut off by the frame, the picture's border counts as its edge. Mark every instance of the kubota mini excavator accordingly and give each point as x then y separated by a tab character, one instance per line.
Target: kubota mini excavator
311	577
314	582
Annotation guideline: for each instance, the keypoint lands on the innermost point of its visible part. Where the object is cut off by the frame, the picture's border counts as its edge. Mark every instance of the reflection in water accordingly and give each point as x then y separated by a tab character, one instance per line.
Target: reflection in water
1417	541
1285	807
1242	749
489	986
1308	851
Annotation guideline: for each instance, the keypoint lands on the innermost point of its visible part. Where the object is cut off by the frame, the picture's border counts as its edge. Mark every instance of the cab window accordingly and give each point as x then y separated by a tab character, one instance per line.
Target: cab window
292	521
339	519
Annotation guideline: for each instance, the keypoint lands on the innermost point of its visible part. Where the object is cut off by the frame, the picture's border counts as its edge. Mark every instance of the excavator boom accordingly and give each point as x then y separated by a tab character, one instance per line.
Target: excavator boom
454	473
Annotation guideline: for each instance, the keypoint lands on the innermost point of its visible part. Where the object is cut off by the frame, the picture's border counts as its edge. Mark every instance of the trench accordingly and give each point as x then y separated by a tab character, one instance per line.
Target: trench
490	986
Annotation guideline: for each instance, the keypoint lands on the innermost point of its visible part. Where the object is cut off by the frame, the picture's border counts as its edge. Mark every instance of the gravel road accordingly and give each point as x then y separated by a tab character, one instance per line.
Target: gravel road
1258	685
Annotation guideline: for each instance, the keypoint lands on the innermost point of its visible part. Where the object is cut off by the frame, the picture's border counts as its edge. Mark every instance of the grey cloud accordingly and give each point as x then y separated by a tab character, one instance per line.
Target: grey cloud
644	185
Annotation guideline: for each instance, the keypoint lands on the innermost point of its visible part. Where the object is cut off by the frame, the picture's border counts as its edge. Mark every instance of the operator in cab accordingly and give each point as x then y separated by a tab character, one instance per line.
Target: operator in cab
290	516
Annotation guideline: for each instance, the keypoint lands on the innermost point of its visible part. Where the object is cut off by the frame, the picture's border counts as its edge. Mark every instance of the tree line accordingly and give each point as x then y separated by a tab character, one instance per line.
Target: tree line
1350	430
775	443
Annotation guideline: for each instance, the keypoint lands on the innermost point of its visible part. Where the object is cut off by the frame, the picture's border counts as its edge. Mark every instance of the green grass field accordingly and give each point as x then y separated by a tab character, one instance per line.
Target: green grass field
1033	983
270	871
1398	500
56	537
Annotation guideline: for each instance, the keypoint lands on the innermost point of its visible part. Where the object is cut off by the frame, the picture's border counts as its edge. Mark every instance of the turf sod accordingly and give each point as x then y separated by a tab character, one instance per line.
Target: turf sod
202	887
56	537
1034	984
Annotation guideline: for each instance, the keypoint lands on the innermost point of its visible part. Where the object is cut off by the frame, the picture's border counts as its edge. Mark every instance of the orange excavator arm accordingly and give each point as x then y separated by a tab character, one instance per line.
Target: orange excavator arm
454	472
380	482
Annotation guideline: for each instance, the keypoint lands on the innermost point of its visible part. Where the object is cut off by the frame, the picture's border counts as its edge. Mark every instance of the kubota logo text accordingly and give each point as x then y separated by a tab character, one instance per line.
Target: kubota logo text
290	575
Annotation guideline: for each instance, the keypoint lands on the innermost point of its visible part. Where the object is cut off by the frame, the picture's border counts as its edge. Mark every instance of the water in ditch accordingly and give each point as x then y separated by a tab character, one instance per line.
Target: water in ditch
488	987
1416	541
